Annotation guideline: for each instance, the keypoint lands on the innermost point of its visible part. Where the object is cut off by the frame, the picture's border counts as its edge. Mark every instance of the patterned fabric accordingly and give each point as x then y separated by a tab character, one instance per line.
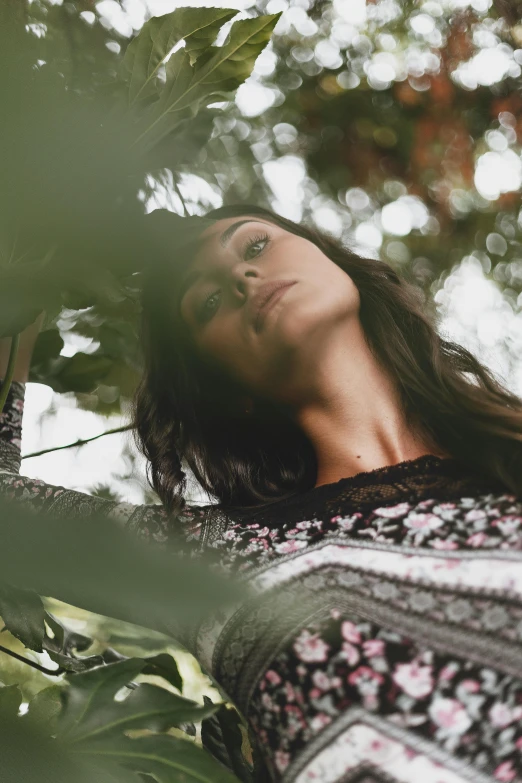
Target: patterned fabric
381	639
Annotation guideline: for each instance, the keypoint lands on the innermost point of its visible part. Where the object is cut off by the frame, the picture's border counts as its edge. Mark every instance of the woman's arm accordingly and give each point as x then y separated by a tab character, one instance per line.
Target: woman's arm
148	521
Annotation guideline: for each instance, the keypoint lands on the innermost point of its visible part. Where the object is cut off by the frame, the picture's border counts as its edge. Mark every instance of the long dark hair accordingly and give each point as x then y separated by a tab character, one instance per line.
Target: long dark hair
187	412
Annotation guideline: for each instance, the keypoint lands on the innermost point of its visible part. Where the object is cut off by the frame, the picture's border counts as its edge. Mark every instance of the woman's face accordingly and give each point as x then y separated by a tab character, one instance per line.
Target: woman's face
221	294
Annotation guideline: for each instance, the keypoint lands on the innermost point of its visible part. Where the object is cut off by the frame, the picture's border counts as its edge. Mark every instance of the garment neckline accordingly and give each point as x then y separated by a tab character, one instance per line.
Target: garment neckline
405	477
406	467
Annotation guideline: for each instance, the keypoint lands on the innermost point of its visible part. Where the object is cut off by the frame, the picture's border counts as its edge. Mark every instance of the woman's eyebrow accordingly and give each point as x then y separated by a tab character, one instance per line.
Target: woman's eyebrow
229	232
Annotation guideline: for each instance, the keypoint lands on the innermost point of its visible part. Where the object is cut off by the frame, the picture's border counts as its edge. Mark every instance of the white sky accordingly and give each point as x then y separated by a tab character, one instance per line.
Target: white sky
474	311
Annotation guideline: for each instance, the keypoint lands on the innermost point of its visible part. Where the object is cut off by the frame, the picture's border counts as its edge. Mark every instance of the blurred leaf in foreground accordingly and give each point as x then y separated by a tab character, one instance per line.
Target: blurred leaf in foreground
93	564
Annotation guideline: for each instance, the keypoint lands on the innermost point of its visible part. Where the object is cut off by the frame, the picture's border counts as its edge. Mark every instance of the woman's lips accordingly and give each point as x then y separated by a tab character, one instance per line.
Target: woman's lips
278	293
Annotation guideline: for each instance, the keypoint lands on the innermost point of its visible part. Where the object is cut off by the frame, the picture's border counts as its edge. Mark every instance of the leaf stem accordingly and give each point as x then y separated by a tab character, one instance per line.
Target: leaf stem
78	442
54	672
6	385
178	191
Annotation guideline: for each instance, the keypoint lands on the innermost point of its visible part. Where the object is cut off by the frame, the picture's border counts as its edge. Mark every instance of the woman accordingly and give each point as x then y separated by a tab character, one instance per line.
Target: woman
362	464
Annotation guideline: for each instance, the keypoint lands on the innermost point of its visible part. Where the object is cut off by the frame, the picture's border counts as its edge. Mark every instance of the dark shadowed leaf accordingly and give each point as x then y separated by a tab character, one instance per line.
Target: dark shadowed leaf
64	640
76	665
83	371
164	666
221	735
91	563
46	352
44	708
29	755
23	614
10	700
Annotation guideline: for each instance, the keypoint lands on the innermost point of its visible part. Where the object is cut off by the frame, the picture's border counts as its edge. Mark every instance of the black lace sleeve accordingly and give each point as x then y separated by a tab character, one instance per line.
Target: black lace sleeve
150	522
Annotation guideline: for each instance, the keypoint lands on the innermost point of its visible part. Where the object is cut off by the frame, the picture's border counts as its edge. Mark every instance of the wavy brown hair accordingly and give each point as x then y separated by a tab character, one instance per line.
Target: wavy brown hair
187	412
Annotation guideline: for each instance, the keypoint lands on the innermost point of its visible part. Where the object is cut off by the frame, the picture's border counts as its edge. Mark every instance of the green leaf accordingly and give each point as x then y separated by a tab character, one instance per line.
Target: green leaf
45	707
164	666
188	87
76	665
64	640
29	755
90	709
83	372
146	707
167	758
156	39
93	691
88	561
221	735
61	647
10	700
23	614
21	300
46	350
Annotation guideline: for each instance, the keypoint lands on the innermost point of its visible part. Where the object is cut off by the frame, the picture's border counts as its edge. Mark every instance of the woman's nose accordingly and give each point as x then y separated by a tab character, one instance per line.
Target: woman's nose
240	279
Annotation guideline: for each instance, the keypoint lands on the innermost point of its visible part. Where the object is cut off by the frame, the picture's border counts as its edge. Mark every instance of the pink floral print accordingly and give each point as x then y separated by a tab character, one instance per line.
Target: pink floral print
462	706
414	679
309	647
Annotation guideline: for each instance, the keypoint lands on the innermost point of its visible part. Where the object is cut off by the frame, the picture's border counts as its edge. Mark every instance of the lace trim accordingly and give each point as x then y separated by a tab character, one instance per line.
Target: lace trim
214	525
411	480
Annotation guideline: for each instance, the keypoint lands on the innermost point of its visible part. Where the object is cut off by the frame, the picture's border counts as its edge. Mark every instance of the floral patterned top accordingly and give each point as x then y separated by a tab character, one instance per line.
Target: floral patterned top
401	660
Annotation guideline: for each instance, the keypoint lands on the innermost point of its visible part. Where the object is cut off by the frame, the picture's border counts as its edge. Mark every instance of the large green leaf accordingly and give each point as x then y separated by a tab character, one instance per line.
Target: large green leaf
71	220
188	87
10	700
29	755
90	711
45	708
104	757
83	371
156	39
167	758
25	290
93	691
88	561
23	614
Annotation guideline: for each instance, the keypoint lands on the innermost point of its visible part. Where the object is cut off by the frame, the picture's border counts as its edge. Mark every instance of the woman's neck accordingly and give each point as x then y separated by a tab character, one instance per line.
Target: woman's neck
354	418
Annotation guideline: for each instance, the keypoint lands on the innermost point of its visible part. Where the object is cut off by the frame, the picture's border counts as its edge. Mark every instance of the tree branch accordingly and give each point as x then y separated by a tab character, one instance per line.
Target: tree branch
53	672
178	191
78	442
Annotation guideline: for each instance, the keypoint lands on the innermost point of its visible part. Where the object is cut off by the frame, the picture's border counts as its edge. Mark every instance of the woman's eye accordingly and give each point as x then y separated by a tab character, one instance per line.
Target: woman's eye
206	311
253	241
208	308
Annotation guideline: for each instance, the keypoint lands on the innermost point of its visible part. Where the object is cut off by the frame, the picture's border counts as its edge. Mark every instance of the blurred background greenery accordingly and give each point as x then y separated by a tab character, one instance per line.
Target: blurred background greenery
396	126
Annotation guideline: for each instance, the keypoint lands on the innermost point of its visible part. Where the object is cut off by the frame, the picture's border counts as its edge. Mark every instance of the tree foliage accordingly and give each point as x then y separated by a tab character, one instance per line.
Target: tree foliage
106	571
79	135
73	232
